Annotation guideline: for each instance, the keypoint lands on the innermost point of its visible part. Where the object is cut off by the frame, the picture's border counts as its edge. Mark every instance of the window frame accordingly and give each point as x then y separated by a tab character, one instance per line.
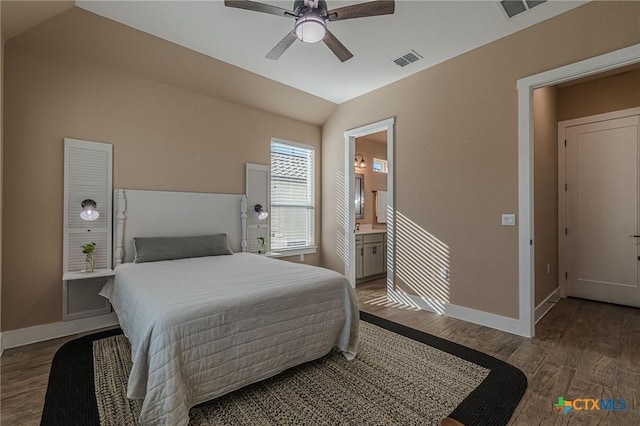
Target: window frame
309	248
385	165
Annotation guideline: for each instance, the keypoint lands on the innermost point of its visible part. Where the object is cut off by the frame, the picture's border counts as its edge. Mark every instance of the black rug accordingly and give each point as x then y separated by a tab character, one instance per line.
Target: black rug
70	398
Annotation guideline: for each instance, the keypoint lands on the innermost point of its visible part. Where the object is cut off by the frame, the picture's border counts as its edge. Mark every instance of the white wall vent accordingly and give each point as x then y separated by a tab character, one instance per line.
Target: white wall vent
512	8
407	59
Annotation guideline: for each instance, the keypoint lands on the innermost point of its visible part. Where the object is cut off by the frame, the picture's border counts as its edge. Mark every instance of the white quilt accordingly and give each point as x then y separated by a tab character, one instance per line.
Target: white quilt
200	328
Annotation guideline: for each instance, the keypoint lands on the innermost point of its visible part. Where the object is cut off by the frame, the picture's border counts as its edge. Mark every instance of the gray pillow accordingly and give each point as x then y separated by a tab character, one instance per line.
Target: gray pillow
152	249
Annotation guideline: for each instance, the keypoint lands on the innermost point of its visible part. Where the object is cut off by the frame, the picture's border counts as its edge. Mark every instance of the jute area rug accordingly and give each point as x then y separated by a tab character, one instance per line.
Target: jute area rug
399	377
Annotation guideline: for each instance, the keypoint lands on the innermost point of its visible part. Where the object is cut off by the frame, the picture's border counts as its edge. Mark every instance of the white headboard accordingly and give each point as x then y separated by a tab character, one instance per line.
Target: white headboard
173	214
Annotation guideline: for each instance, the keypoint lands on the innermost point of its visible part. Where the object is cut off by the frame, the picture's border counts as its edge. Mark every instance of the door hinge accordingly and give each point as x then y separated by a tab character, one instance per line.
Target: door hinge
565	143
530	242
566	232
566	275
565	187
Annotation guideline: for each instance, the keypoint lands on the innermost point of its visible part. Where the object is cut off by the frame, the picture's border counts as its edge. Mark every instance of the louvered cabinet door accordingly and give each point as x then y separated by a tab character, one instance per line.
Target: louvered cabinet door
257	191
87	175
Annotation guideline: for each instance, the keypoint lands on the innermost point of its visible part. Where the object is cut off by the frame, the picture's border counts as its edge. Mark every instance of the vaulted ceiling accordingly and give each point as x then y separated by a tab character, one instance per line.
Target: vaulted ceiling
437	30
226	47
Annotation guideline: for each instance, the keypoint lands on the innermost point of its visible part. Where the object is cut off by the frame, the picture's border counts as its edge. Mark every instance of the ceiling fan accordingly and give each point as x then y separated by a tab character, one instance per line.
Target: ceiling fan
311	21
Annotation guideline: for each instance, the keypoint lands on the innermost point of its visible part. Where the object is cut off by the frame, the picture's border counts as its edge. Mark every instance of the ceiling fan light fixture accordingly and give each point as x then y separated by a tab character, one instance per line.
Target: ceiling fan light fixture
310	29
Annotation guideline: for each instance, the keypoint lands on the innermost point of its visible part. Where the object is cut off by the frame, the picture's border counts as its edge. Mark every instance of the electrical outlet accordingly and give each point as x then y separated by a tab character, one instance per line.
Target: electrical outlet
444	273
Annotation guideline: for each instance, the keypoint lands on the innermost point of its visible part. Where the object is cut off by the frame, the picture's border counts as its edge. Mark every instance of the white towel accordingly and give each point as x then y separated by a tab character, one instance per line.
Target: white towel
381	206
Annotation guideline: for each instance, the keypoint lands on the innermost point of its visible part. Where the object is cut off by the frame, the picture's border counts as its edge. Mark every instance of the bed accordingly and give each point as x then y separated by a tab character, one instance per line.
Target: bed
202	327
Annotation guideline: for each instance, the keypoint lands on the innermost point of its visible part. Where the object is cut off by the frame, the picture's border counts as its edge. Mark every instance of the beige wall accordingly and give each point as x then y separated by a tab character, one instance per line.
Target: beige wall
164	138
545	134
456	151
606	94
115	46
373	181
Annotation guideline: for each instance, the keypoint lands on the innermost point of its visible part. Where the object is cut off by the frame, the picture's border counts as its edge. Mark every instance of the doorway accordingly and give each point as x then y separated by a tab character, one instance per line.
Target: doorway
376	221
370	204
596	65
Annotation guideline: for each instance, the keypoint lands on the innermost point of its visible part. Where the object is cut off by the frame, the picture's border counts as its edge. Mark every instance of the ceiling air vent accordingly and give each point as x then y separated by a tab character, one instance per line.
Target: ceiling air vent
407	59
516	7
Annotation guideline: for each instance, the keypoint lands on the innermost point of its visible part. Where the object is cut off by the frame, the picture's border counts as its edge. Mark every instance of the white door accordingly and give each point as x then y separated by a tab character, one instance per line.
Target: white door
602	211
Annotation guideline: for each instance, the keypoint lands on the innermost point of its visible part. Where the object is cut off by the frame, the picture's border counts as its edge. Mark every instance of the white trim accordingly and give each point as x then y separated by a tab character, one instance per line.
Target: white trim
499	322
82	275
39	333
293	252
562	214
598	64
296	144
548	303
350	225
562	179
623	113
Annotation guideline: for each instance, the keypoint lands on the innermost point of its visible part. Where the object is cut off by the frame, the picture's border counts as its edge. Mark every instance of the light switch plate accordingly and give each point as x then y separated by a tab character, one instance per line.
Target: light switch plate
509	219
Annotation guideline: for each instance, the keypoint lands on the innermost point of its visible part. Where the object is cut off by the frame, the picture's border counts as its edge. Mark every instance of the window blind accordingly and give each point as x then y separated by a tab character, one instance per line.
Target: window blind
292	196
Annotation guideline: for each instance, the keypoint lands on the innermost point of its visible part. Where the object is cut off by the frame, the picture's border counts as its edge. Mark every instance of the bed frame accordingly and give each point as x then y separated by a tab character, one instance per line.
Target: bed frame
172	214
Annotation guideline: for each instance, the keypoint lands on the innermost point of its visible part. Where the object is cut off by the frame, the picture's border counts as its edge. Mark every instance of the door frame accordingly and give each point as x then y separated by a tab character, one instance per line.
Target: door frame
350	176
526	253
562	179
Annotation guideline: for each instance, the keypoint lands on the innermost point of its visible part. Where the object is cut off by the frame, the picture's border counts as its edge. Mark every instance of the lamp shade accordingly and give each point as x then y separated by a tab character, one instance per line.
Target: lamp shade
262	214
89	210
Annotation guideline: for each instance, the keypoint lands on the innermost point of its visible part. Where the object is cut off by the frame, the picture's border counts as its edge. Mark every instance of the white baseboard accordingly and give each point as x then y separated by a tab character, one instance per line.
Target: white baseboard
39	333
547	304
499	322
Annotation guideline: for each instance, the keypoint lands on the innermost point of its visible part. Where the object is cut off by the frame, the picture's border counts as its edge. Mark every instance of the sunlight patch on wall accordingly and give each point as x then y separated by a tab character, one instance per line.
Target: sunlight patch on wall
383	301
422	263
403	299
390	248
342	218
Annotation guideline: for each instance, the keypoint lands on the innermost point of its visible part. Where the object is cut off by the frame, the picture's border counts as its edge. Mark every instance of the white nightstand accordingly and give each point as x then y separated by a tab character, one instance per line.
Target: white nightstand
80	298
271	254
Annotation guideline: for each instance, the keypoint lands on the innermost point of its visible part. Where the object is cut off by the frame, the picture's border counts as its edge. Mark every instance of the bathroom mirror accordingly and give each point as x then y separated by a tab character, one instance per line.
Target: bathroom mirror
359	196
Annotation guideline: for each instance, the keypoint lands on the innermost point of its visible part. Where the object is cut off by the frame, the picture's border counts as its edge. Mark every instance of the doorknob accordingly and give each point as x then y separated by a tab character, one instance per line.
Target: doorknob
634	236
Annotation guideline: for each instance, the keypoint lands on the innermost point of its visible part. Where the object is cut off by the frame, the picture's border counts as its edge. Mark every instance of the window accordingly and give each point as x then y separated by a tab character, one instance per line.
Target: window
381	166
292	200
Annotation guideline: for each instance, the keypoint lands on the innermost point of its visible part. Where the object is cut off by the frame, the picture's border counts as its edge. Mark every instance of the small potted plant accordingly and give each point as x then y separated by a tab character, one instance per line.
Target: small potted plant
88	249
263	245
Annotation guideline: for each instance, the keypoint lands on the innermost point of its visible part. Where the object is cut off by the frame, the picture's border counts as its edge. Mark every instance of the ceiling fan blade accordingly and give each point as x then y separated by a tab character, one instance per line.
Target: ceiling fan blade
362	10
336	47
284	44
258	7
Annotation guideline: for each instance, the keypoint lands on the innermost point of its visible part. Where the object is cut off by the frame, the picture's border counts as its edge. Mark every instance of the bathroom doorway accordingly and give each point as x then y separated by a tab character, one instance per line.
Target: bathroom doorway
371	168
370	247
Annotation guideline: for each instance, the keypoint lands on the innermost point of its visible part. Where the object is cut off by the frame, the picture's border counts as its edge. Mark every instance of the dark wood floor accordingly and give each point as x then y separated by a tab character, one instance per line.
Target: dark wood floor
582	350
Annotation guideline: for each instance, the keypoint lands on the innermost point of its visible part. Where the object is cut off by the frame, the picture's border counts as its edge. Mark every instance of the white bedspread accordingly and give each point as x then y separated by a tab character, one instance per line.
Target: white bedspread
200	328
